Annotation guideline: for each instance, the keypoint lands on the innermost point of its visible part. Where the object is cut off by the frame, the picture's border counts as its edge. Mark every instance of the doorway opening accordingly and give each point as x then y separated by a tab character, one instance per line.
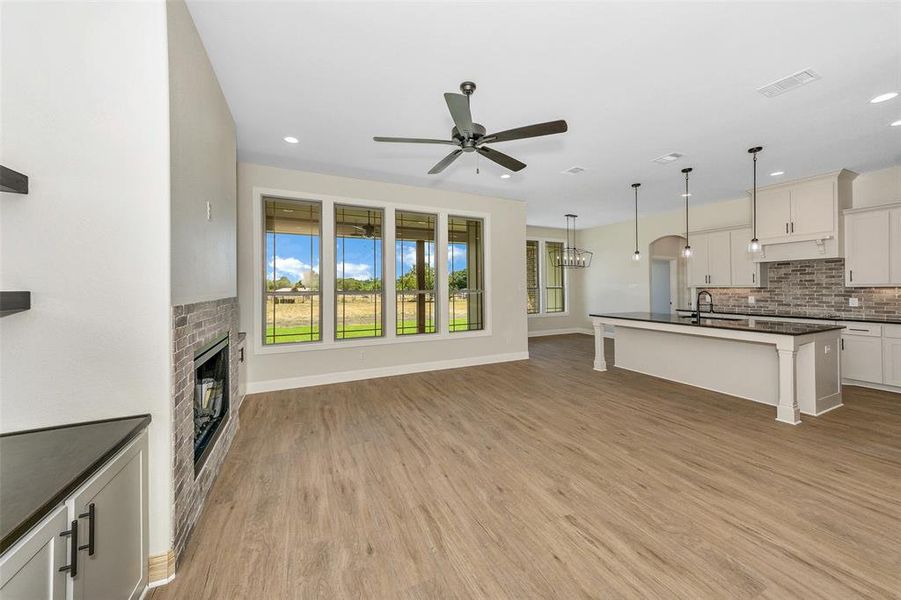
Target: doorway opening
669	280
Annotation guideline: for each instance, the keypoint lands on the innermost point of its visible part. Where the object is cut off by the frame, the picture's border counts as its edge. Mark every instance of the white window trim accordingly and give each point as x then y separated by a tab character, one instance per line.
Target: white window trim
327	275
542	279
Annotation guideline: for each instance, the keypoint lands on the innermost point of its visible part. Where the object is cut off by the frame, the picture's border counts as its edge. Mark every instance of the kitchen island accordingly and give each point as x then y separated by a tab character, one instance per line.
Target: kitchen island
792	366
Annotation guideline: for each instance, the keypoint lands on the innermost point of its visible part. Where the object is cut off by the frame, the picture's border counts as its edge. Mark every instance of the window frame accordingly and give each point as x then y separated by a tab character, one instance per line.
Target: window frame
327	272
336	292
542	279
262	270
482	291
538	270
434	291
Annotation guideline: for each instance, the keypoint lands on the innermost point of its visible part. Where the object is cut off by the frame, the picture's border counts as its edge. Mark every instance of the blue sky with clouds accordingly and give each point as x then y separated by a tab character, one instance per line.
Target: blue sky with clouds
294	258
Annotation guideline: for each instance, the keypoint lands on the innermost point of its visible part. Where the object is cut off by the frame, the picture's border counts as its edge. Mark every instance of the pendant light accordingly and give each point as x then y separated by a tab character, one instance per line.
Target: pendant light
573	257
686	251
637	255
754	246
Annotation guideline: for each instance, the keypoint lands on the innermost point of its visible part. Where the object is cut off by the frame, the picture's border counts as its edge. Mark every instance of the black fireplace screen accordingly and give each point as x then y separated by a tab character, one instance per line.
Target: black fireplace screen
210	398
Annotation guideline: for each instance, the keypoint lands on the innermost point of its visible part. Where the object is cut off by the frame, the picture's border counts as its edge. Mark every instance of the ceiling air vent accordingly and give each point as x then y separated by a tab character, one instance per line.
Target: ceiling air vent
574	170
787	84
667	158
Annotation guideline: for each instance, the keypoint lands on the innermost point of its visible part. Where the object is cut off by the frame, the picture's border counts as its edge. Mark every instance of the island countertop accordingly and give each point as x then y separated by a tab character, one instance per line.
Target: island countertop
773	327
40	467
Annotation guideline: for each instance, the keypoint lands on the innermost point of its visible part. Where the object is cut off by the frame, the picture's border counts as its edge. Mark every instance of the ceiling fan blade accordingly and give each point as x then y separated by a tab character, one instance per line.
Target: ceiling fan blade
458	105
401	140
444	162
502	159
539	129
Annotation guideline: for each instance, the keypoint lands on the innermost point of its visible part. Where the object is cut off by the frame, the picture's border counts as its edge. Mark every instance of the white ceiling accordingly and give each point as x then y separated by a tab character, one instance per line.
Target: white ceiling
633	80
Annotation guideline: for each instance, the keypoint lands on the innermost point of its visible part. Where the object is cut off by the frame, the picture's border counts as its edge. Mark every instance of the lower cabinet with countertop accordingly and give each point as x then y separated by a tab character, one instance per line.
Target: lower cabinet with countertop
74	519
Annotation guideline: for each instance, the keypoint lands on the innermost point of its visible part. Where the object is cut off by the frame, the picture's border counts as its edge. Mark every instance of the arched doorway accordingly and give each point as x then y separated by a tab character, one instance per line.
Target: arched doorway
668	276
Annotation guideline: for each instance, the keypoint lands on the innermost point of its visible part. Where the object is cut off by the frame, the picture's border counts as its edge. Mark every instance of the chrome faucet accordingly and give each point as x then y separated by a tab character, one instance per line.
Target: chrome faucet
697	313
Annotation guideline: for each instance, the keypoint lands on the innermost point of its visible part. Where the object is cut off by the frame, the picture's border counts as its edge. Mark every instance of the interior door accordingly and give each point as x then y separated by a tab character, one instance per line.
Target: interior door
773	213
867	248
697	264
744	270
661	300
812	208
719	262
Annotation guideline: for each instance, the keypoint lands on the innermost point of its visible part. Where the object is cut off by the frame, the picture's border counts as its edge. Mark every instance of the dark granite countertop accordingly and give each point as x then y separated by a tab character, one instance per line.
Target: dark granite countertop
40	467
777	327
791	316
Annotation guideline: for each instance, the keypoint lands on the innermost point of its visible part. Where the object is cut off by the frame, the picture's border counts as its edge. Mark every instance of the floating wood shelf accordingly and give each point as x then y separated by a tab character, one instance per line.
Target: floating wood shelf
13	302
13	181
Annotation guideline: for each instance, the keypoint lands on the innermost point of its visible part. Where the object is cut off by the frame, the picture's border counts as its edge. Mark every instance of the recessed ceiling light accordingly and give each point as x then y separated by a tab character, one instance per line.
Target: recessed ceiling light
505	176
883	97
777	173
291	139
896	123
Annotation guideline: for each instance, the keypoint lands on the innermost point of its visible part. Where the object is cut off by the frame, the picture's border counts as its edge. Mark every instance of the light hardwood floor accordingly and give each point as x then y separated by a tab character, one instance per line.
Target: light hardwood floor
545	479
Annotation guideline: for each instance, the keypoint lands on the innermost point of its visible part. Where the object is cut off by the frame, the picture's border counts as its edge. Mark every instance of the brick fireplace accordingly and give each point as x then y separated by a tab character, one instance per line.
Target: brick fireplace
200	331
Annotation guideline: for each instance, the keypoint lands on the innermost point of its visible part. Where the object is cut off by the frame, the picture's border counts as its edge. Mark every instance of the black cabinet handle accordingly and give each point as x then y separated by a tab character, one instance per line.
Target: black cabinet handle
786	228
851	273
753	277
843	343
793	226
90	516
72	534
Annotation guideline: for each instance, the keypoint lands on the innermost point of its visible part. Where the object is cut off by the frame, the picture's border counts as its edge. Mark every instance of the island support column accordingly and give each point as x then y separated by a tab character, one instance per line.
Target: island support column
788	409
599	363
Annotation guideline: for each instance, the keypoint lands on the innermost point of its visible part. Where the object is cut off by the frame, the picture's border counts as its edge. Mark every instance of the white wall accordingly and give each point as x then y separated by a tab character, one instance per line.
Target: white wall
574	317
85	115
616	283
203	169
505	284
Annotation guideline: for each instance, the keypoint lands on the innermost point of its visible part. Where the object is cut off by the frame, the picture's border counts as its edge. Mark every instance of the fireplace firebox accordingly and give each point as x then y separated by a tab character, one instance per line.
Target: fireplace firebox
211	398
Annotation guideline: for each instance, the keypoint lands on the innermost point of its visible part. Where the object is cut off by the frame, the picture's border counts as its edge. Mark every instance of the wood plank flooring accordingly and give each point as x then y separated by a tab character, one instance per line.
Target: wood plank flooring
546	479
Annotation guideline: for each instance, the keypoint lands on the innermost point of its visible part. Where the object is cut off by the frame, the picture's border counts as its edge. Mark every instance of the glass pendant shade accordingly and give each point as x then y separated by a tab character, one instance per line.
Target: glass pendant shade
754	246
686	251
636	256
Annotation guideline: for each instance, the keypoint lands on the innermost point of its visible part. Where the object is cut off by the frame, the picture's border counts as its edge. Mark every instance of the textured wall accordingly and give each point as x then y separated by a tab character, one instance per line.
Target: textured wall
811	288
193	327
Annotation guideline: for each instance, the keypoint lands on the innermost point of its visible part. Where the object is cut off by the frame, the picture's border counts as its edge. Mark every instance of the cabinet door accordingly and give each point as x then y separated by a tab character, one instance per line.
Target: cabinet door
30	569
719	263
697	264
773	213
813	208
867	248
744	269
891	360
862	358
118	566
895	246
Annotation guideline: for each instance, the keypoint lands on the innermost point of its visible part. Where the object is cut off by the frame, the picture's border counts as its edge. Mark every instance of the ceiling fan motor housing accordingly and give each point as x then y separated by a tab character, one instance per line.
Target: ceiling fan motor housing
478	132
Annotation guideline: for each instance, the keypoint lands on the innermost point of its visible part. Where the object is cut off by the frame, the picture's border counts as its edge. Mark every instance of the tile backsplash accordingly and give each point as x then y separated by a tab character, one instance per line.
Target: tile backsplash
813	288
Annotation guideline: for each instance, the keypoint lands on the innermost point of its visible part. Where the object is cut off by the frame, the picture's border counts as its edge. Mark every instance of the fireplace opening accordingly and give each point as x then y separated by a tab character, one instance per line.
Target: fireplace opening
210	399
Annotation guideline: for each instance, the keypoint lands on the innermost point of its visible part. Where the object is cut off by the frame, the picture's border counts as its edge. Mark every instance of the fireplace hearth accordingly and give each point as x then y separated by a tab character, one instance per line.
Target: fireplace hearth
211	398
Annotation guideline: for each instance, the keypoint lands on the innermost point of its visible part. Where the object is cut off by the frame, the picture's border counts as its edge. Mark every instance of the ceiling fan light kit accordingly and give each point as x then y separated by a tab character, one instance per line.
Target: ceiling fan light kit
469	136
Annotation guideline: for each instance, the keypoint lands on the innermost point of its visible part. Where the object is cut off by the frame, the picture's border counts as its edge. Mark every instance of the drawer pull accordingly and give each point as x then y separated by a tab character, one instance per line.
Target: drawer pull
72	534
853	329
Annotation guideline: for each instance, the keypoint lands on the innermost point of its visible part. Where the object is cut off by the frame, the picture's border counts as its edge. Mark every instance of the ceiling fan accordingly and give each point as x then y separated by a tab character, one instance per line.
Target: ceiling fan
471	137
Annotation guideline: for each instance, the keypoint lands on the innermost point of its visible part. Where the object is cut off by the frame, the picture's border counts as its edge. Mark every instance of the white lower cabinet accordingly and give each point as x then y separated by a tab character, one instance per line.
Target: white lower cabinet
107	557
862	358
891	361
31	569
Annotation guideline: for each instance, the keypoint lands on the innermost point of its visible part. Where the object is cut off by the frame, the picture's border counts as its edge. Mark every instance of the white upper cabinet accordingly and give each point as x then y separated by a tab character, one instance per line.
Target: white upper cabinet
873	246
719	263
745	272
801	219
698	271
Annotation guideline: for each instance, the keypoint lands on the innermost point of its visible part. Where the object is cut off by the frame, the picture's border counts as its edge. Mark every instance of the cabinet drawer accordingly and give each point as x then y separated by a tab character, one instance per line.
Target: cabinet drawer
891	331
868	329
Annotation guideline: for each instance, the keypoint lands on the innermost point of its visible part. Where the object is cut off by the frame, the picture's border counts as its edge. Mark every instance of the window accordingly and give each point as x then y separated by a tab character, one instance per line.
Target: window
291	271
553	285
533	306
465	274
358	272
415	235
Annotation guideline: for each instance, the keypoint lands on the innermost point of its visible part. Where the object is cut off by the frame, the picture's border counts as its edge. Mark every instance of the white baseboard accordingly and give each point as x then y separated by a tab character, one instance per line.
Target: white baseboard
288	383
543	332
872	386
